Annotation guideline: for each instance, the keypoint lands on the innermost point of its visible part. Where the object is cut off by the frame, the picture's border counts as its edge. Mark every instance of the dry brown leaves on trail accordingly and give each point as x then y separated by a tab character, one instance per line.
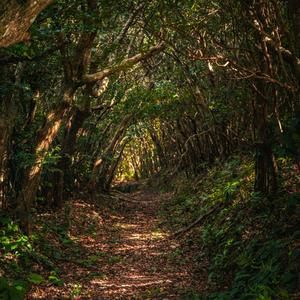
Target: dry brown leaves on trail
118	253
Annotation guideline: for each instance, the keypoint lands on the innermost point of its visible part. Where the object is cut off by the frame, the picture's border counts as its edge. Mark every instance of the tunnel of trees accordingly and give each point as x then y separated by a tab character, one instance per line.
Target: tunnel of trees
194	103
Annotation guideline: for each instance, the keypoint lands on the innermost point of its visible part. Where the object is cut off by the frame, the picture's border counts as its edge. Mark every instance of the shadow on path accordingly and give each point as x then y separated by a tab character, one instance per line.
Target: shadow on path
119	253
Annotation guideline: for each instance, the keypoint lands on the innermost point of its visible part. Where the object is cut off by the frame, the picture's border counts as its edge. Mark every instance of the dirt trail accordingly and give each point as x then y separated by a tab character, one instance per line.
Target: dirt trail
121	254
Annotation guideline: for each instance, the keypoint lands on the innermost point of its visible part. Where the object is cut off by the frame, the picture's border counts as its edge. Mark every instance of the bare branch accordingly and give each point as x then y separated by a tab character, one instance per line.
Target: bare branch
199	221
124	65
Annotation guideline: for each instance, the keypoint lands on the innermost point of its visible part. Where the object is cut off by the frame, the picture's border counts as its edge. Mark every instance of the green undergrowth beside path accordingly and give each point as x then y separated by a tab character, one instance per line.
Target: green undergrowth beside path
250	246
25	262
247	248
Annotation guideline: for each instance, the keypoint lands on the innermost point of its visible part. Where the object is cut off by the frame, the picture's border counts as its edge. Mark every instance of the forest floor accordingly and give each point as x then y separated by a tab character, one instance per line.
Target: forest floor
120	252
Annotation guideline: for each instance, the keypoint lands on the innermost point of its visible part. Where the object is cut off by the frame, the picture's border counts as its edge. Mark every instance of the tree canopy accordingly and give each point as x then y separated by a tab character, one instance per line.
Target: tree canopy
198	97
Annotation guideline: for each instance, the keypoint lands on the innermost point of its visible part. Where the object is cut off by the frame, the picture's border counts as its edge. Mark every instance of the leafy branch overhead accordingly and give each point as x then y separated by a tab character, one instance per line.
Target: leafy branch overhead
141	134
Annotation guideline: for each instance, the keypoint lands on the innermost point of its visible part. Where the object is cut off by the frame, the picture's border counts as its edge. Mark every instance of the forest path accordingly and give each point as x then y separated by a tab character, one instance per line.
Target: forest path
119	253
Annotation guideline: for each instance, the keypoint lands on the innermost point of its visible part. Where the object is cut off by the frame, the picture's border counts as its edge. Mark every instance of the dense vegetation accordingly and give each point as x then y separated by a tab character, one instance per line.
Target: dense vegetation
198	98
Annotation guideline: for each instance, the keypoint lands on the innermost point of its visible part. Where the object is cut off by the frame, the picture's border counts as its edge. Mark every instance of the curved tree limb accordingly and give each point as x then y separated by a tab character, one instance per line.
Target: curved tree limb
124	65
16	17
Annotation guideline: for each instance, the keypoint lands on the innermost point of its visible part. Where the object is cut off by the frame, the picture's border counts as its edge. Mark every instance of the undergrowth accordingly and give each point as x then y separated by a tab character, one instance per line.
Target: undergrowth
251	246
37	261
25	261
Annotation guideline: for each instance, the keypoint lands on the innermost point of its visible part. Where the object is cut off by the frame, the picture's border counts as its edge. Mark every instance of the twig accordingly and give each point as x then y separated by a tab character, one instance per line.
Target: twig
122	195
197	222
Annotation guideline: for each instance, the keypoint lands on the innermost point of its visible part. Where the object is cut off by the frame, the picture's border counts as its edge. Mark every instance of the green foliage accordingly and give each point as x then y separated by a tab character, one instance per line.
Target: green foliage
76	290
12	291
15	245
190	106
35	278
19	255
52	158
12	241
114	259
54	279
250	243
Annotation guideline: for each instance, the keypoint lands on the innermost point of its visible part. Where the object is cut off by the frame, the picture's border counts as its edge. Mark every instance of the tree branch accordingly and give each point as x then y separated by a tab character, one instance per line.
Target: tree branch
124	65
198	221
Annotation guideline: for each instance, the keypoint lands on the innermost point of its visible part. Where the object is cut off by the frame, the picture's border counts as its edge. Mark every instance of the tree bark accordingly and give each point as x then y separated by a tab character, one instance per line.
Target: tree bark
63	174
265	164
294	11
45	138
8	114
5	133
102	164
113	168
16	17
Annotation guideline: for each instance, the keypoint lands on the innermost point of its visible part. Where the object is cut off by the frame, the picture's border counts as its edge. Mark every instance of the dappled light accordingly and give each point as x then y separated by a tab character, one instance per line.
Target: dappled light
124	255
150	149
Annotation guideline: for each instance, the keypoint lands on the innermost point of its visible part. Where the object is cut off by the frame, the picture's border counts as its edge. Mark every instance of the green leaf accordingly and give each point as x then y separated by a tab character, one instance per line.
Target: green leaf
35	278
3	284
17	292
55	280
114	259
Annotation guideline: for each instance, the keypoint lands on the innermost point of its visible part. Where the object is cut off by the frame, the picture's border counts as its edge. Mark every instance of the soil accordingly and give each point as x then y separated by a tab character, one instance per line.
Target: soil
120	252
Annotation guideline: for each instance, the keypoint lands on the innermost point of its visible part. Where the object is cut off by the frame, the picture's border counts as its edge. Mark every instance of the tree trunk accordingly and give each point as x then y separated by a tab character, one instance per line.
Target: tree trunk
63	174
158	146
45	138
5	133
113	168
101	166
294	12
265	164
8	113
16	17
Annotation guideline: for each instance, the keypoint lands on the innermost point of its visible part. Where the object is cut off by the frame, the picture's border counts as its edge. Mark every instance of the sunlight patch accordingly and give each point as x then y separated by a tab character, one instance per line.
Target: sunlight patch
125	225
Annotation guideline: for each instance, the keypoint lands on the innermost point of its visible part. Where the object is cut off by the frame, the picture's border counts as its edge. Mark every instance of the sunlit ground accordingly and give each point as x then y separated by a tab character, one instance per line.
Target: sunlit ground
122	255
